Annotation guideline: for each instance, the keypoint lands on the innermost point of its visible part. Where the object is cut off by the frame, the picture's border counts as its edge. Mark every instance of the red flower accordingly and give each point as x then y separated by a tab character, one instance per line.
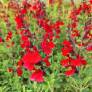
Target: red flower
74	25
23	11
58	24
89	48
65	62
51	45
9	35
19	71
19	21
66	50
25	42
45	25
32	57
10	70
37	76
47	47
24	38
20	63
66	43
70	72
1	40
51	1
79	10
46	60
75	33
78	61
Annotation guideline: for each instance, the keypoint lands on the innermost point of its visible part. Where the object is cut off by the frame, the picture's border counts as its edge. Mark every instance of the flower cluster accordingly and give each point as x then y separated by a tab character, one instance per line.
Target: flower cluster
31	59
73	59
38	47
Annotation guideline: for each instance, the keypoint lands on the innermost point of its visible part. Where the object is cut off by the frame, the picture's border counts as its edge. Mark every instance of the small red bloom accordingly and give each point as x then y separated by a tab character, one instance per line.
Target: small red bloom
37	76
65	62
25	42
46	60
45	25
70	72
1	40
89	48
23	11
58	24
19	71
78	61
75	33
10	70
66	50
66	43
9	35
20	63
19	21
51	1
47	47
51	45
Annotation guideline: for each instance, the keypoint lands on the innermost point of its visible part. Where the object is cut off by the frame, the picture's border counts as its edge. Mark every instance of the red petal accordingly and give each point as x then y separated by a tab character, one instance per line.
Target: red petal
32	57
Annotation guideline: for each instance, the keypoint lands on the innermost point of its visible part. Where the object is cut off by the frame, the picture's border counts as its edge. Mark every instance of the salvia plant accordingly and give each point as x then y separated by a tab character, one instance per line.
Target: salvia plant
45	46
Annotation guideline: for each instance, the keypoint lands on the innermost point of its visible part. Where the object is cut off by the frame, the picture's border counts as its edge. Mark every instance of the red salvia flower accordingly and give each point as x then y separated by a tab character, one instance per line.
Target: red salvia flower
70	72
32	57
51	1
19	71
37	76
9	35
20	63
66	43
47	47
89	48
65	62
10	69
19	21
46	60
1	40
78	61
75	33
66	50
23	11
25	42
59	23
44	24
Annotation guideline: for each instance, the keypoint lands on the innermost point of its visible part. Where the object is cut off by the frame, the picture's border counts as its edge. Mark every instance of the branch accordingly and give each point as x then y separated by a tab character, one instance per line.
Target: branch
88	22
73	3
72	40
